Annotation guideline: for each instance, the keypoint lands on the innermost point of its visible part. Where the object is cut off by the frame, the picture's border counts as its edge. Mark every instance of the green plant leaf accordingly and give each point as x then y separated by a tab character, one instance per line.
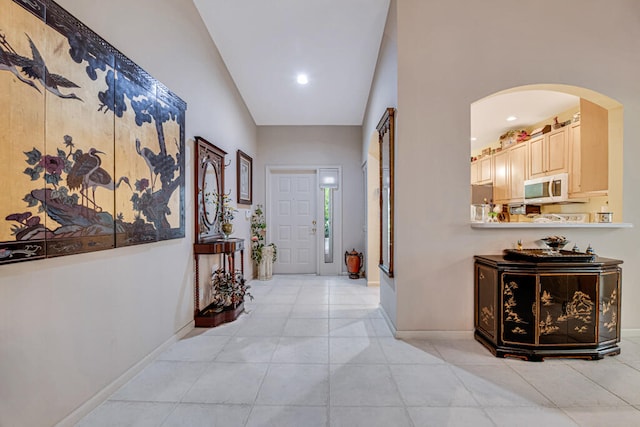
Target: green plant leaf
33	173
31	201
51	178
33	156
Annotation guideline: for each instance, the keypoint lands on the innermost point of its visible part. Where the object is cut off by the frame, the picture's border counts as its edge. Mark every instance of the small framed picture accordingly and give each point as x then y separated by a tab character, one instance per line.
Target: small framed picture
245	178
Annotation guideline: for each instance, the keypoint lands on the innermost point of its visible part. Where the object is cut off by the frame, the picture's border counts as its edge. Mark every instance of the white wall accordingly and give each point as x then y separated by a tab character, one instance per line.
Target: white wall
384	94
384	87
70	326
453	53
373	212
324	146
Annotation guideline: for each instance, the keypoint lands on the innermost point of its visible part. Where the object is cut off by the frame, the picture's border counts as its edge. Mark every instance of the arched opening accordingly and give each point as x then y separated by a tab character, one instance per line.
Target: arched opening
545	131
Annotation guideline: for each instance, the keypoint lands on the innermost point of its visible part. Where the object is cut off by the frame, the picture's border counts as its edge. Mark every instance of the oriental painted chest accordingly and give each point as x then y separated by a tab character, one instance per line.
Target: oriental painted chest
538	309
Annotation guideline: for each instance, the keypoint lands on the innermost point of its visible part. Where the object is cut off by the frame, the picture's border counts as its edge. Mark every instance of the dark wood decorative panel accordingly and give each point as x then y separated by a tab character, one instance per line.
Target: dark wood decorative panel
567	313
518	305
92	145
486	301
609	325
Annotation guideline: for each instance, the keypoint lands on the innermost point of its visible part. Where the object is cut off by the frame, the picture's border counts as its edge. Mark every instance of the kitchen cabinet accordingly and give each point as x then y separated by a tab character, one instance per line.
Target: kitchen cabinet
509	173
575	168
589	152
485	170
475	166
482	171
518	156
501	189
548	153
534	310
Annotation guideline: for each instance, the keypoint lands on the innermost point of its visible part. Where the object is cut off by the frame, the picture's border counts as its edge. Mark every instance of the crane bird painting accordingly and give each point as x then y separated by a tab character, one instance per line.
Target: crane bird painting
87	173
11	61
83	141
37	69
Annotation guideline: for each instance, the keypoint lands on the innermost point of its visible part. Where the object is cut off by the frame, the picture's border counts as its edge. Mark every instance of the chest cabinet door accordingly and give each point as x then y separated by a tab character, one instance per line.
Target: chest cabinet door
486	303
567	309
609	321
518	308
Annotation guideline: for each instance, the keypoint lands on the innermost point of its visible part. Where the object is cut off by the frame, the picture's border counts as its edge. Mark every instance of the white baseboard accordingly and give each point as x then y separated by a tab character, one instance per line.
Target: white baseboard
433	335
630	333
374	284
74	417
386	318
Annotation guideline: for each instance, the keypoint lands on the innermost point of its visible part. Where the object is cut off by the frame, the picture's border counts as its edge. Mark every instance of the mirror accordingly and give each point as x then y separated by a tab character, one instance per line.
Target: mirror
386	134
209	192
209	175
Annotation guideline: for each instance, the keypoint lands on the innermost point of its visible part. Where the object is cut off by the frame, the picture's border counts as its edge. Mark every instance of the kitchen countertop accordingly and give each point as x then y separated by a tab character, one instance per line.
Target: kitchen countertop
551	225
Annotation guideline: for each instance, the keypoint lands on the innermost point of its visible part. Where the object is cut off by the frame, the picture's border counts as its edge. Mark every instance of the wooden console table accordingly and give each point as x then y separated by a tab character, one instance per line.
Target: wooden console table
227	248
533	310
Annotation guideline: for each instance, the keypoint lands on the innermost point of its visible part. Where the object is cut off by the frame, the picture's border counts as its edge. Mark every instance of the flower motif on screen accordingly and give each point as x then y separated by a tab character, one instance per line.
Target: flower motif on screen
68	141
142	184
52	164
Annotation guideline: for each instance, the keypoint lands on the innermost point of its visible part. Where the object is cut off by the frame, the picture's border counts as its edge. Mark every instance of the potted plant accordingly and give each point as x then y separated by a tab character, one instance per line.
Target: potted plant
263	254
226	213
228	290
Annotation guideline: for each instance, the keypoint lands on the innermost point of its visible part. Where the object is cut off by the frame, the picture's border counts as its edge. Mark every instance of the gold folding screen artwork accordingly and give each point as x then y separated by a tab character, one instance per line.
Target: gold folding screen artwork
92	146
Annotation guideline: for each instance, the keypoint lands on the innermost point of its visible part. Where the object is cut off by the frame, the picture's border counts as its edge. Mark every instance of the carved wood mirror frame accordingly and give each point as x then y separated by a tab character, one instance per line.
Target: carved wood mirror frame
386	136
208	188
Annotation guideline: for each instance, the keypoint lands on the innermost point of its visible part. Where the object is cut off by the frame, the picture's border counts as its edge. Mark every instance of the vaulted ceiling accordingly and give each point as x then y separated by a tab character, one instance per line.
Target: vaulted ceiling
265	44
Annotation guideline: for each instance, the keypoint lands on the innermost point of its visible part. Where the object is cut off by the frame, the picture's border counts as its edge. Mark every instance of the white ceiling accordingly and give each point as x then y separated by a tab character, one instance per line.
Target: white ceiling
489	115
266	43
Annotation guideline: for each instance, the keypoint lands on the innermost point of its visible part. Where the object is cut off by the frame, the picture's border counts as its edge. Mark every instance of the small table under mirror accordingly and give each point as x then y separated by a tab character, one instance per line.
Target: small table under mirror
209	239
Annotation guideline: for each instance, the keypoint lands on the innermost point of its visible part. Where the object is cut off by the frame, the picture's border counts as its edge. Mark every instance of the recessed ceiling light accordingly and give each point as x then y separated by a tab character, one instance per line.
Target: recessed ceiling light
302	79
511	118
473	138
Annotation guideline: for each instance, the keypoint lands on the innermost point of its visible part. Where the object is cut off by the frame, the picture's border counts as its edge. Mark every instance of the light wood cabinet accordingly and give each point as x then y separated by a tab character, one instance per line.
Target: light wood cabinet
575	186
501	188
518	156
510	171
475	167
589	148
557	151
548	154
482	171
536	156
485	170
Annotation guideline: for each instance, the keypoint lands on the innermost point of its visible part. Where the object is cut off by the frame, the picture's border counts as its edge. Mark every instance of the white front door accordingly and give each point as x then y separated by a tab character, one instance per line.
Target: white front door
294	225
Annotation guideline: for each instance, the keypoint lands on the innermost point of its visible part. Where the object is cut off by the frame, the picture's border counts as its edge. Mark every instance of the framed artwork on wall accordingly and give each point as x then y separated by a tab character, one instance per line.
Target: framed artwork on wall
244	169
92	144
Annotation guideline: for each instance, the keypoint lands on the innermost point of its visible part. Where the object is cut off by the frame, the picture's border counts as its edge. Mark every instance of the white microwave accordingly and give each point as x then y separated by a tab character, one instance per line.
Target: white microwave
548	189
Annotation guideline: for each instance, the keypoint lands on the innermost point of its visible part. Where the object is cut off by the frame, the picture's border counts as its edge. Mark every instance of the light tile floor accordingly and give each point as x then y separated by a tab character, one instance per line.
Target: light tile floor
316	351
